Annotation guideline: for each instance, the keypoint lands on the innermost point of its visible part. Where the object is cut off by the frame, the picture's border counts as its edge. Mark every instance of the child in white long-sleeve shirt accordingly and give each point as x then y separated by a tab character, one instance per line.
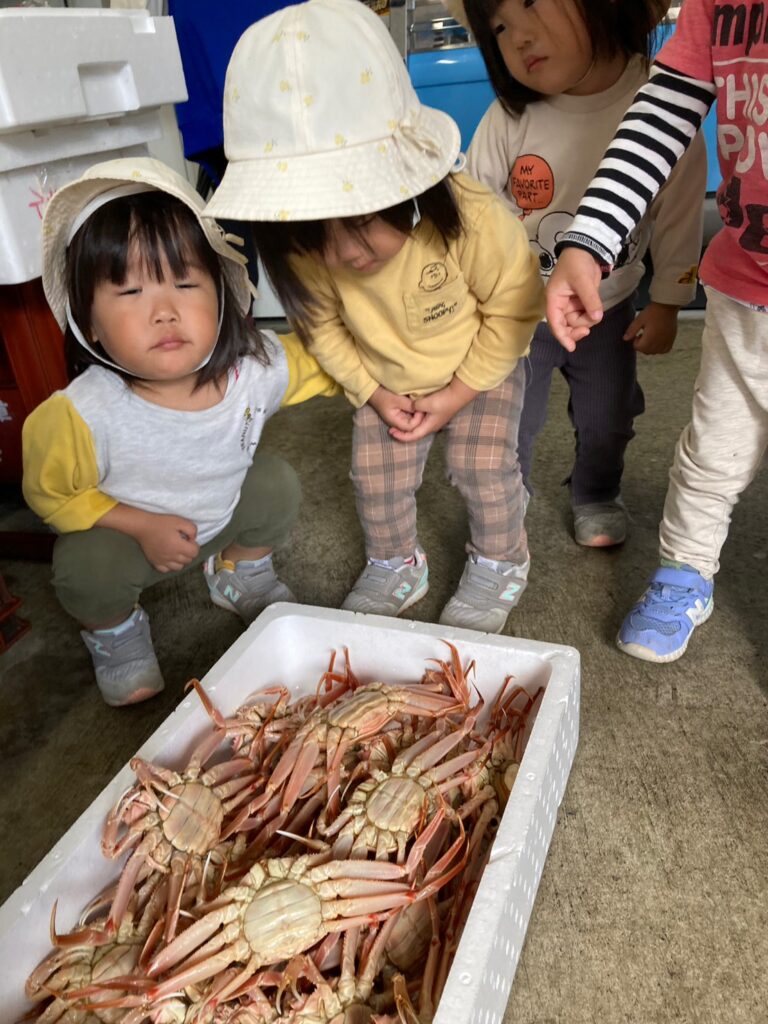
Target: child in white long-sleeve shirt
564	72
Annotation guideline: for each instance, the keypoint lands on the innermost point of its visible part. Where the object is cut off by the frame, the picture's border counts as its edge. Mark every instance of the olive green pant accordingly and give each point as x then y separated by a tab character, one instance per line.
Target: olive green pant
100	573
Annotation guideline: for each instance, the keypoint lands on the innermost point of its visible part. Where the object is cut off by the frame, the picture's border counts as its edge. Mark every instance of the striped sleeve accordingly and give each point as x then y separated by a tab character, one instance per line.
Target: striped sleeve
657	129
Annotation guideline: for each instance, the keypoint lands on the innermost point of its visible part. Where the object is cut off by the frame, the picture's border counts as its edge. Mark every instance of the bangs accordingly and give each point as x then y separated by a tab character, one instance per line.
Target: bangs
153	227
613	28
150	226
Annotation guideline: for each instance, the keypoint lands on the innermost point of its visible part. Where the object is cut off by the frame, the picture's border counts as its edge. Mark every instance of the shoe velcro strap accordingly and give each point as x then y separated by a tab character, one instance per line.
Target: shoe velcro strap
681	578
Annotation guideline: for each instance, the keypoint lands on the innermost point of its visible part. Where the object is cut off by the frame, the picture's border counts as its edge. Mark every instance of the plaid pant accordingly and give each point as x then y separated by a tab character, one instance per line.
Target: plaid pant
481	460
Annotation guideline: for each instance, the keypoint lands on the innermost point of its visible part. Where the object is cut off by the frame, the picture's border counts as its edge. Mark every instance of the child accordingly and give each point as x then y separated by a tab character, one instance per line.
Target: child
565	72
414	289
146	463
718	50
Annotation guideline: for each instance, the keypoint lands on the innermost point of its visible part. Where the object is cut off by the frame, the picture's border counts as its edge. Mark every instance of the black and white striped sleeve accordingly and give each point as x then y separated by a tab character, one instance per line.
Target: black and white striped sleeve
656	130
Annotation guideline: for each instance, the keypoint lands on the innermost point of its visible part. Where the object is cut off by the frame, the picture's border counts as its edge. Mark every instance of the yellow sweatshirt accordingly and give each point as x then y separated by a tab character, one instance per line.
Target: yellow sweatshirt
431	312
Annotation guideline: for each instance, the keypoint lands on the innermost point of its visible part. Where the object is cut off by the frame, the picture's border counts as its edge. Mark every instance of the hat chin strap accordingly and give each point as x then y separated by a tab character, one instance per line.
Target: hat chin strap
73	326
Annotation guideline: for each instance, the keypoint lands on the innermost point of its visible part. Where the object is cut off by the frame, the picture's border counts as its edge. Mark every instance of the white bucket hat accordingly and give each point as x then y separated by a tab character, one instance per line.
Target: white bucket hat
66	205
321	119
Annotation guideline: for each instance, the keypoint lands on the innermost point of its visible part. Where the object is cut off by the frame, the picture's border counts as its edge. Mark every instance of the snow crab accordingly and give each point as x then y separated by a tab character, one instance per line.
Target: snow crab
174	821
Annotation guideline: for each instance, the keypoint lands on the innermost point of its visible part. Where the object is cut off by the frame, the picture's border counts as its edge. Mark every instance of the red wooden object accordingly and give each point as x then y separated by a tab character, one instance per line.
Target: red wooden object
32	365
12	626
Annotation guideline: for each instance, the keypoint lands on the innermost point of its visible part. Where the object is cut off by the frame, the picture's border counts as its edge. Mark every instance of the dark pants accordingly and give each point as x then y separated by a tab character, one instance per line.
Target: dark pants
604	400
100	573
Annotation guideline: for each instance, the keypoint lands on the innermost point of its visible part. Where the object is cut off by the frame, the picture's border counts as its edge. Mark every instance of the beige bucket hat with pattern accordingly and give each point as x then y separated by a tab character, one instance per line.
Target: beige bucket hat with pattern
70	200
321	119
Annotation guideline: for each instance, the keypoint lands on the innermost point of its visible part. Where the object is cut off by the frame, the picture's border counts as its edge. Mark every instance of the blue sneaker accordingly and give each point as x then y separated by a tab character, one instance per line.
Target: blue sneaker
660	625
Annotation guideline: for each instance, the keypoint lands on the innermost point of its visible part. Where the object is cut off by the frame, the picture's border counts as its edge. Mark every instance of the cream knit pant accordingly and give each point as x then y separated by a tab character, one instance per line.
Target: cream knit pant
721	449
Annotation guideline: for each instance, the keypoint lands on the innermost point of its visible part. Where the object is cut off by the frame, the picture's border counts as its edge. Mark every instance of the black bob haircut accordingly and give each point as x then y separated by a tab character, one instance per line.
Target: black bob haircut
277	241
614	27
160	225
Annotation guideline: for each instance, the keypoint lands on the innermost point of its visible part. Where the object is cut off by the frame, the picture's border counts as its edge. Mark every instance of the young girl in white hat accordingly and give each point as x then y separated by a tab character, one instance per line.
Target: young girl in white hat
414	287
146	463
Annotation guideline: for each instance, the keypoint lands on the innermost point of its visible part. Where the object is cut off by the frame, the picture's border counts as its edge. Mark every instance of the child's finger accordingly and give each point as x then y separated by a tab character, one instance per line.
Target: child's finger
635	330
401	435
416	419
188	529
412	435
402	420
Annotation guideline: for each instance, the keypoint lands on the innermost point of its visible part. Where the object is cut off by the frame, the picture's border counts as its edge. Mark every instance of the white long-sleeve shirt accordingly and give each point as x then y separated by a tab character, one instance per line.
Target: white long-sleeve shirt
97	443
542	161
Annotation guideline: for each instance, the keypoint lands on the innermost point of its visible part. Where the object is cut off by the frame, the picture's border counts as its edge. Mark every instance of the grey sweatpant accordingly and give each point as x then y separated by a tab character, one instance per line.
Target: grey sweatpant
100	573
722	447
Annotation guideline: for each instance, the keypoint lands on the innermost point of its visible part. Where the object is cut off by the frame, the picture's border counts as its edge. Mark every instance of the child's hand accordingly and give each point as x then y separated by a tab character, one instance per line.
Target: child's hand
437	409
654	329
574	305
397	411
168	542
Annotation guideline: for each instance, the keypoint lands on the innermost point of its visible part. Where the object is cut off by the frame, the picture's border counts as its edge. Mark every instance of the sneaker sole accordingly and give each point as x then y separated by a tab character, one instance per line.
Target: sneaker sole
603	540
647	654
137	697
415	596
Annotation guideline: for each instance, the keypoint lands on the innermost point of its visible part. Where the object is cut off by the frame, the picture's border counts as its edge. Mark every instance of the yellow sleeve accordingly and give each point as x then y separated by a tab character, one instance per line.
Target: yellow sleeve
331	340
306	378
502	271
61	473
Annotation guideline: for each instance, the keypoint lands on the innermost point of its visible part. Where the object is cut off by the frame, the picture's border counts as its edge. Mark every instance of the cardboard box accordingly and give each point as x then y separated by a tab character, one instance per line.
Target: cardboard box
291	645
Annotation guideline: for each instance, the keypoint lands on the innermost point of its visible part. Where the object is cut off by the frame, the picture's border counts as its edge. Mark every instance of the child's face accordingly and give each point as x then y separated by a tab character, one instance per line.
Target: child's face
544	44
363	248
158	330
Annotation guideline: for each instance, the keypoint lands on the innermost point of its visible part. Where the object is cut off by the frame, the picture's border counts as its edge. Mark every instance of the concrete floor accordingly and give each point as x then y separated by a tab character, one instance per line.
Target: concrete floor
653	905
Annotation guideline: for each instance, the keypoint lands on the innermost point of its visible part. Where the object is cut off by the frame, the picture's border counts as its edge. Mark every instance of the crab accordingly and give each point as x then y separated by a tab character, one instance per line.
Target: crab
174	821
81	958
385	810
282	908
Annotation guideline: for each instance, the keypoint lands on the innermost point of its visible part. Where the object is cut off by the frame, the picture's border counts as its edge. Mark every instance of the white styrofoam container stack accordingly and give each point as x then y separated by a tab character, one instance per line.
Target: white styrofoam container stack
291	645
76	87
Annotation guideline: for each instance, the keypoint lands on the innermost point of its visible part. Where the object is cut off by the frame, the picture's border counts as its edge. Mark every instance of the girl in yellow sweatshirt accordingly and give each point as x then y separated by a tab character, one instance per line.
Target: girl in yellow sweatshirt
413	286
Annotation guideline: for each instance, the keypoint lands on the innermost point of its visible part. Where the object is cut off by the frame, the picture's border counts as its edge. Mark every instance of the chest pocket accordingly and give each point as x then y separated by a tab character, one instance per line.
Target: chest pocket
430	312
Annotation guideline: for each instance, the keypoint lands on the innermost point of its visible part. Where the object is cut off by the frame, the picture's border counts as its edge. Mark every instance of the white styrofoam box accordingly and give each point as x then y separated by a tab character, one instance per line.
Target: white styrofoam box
24	195
76	87
63	65
291	645
34	164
